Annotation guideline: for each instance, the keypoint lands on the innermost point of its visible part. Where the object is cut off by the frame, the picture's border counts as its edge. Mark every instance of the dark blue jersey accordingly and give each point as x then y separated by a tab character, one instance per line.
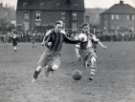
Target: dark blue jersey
14	41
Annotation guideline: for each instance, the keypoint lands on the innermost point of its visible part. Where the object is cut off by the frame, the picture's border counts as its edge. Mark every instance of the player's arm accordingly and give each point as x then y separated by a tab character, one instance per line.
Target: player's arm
70	41
102	45
43	41
99	42
46	38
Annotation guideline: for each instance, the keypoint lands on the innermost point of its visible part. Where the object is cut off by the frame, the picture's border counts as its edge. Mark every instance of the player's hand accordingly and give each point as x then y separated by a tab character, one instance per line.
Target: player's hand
42	44
105	47
82	39
49	43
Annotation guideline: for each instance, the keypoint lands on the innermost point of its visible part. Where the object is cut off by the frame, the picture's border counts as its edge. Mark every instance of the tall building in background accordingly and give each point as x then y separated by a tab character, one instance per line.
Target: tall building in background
32	14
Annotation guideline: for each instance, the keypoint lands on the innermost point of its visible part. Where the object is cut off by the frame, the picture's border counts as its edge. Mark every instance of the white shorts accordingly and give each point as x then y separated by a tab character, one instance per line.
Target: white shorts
87	54
50	58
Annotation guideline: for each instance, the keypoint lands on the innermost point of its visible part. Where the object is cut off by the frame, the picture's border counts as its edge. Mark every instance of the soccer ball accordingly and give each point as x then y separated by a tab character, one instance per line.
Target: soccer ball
77	74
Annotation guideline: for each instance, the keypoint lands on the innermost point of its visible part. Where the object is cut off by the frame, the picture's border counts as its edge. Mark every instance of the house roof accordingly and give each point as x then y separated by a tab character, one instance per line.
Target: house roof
50	5
120	8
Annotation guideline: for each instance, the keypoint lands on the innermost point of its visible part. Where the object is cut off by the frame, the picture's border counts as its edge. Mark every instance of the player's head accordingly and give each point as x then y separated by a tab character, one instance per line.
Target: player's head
59	25
85	28
14	31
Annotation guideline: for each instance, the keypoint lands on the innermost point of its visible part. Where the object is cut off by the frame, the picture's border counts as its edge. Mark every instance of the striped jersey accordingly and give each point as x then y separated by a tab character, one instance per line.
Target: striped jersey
89	41
57	39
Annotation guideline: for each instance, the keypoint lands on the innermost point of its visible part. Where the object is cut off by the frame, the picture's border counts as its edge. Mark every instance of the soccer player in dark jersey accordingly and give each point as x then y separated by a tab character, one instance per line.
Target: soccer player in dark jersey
14	40
53	40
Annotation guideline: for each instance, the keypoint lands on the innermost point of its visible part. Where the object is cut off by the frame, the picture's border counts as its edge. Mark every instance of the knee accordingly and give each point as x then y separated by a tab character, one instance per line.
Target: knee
55	67
93	61
39	68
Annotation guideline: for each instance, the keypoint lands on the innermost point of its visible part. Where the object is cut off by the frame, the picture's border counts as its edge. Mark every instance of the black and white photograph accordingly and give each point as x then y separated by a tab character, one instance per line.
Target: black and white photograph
67	50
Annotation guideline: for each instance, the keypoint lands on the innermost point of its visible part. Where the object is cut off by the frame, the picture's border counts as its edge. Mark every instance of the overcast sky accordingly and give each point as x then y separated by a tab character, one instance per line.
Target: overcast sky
88	3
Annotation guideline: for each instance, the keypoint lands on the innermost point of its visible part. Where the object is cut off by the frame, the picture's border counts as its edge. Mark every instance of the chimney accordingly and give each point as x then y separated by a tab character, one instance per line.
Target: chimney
68	2
1	5
121	2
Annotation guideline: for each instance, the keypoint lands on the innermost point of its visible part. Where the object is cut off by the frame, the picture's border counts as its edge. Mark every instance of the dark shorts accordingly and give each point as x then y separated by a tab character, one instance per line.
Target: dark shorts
14	43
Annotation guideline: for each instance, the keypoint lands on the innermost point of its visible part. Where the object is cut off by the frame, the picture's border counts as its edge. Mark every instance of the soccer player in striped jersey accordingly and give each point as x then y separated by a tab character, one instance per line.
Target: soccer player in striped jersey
86	49
53	40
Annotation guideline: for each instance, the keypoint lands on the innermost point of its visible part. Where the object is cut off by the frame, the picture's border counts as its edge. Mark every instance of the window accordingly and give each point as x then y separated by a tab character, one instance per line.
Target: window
68	1
112	27
104	17
26	16
57	4
87	18
74	16
118	28
130	17
26	26
112	17
105	28
132	29
63	16
115	17
42	3
74	26
25	4
133	17
76	5
127	17
106	23
38	16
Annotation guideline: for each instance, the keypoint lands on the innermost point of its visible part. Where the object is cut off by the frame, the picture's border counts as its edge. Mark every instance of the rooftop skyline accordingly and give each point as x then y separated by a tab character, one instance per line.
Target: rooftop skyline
88	3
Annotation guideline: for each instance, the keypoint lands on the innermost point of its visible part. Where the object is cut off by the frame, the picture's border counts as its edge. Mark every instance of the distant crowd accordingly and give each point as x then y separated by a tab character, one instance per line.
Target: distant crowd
22	37
125	36
38	36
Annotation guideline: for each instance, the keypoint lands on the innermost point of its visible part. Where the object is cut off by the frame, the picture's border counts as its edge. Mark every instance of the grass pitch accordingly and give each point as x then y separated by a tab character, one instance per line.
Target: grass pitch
114	81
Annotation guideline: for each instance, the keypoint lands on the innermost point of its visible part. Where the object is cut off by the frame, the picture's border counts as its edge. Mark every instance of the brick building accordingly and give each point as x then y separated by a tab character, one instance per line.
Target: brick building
120	17
32	14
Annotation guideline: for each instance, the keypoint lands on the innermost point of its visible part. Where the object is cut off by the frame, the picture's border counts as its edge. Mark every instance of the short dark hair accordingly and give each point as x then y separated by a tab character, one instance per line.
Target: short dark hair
59	22
83	25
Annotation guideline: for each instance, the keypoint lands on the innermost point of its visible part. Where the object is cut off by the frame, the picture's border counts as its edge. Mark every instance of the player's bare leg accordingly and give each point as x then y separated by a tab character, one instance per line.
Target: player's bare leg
48	69
36	73
15	48
93	67
53	66
78	54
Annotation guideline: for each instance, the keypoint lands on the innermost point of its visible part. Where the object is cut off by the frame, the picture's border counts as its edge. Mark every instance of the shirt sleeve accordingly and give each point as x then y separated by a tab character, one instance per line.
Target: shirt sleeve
76	37
63	31
95	39
48	35
70	41
82	37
